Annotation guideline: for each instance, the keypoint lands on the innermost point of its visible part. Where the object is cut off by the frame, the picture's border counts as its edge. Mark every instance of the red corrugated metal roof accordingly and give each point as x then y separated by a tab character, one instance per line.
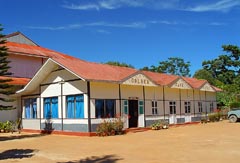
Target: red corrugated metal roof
160	78
195	83
96	71
16	81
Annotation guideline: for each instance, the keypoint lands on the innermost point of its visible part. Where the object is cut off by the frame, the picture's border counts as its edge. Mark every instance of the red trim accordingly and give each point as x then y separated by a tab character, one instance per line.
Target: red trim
184	124
129	130
61	132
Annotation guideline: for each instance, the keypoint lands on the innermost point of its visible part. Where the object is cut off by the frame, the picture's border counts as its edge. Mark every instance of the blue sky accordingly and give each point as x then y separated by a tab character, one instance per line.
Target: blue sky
137	32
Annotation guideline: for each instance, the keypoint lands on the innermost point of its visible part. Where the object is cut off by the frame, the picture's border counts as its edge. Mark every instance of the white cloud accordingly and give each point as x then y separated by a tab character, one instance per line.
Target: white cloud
218	5
136	25
82	7
133	25
103	31
115	4
222	5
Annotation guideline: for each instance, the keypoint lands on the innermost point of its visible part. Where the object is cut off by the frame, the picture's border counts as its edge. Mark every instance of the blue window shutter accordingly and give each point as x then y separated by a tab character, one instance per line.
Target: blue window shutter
140	106
34	105
27	108
99	104
110	108
79	106
47	108
70	106
54	107
125	106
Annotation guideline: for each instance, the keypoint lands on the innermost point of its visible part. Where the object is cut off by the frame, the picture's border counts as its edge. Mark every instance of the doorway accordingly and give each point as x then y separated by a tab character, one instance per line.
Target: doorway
133	113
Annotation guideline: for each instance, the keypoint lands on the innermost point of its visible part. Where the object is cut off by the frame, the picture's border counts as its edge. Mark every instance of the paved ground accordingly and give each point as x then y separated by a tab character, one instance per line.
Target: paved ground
201	143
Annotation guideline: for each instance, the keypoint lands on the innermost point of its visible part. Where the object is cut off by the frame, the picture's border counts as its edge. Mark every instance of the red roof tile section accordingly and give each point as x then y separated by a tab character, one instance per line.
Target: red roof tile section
195	83
16	81
95	71
160	78
86	70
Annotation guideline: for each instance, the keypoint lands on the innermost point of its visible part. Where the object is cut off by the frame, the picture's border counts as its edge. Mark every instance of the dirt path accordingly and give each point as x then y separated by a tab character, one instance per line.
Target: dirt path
213	143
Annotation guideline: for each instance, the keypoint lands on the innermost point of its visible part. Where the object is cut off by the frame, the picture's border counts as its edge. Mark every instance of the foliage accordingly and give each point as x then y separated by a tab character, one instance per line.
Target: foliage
235	104
223	72
225	68
160	124
204	74
5	88
214	117
174	65
116	63
6	126
110	127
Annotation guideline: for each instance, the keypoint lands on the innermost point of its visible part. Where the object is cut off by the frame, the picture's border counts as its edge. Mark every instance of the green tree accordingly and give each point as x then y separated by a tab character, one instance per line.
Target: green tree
226	67
5	88
116	63
204	74
174	65
225	70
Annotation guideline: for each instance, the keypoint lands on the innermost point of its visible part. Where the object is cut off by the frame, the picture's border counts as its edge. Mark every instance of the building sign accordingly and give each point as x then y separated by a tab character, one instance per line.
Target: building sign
181	84
139	79
207	87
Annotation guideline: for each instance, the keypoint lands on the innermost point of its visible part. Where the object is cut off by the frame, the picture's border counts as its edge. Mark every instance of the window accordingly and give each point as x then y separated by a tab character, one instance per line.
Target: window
172	107
105	108
211	107
200	107
154	108
75	106
30	108
187	106
51	107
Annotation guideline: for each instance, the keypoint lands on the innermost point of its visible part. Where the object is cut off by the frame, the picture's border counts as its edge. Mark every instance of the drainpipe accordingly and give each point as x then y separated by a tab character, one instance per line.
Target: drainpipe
206	102
89	107
40	105
194	105
120	99
163	103
61	83
144	107
180	99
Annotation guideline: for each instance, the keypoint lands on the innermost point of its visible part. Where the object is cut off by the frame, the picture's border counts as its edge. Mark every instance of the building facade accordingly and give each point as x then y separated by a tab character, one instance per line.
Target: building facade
66	94
65	98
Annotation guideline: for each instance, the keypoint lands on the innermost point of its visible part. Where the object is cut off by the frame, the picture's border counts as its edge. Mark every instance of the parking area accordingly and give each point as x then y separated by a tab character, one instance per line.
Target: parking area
212	142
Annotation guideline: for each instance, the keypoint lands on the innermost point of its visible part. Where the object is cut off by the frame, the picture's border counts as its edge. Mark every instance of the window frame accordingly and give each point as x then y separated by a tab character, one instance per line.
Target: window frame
104	110
32	101
211	108
75	100
51	107
200	107
154	107
172	107
187	106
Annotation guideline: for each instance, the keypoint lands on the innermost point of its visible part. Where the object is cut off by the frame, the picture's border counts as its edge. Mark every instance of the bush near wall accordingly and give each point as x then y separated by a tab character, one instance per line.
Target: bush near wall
160	124
235	105
110	127
6	126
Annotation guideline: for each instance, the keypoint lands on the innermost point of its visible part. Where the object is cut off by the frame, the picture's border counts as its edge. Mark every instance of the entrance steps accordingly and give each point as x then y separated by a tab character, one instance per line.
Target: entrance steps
137	129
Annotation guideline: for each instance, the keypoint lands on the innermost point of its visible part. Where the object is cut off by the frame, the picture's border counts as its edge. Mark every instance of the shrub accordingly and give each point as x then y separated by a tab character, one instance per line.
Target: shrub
160	124
214	117
108	127
234	105
6	126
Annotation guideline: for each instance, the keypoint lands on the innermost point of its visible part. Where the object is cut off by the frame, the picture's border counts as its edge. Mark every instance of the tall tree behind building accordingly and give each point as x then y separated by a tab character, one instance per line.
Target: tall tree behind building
174	66
5	88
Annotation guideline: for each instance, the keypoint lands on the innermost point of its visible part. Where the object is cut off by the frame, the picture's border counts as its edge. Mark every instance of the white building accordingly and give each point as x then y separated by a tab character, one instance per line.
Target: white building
70	95
76	95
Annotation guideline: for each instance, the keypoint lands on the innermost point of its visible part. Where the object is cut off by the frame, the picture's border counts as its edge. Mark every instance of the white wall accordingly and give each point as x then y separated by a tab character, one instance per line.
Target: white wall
24	66
51	87
10	115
